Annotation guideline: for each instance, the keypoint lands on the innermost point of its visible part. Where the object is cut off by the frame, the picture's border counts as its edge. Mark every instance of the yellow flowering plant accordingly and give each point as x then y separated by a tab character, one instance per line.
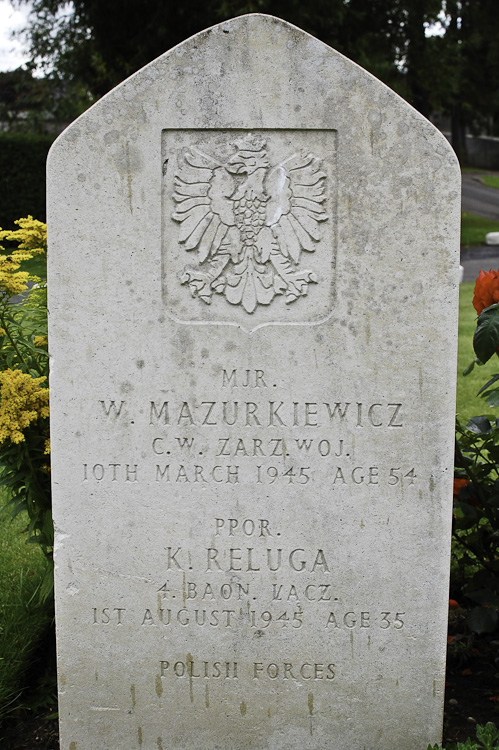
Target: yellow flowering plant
24	405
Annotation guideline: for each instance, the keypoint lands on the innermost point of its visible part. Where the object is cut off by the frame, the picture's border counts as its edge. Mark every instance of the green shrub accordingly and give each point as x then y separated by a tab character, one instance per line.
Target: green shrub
487	739
476	522
476	484
24	621
26	608
22	176
24	409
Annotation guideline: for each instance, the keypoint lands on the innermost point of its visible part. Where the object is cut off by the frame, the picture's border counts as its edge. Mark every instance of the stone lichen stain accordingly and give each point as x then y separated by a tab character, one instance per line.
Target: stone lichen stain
191	691
129	176
160	606
243	708
139	736
72	746
159	743
311	703
206	696
132	693
311	711
159	686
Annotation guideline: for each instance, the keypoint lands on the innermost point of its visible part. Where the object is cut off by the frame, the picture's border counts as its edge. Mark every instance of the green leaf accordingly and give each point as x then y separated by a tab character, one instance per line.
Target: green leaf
479	425
486	338
469	368
482	620
491	382
484	596
483	579
491	397
468	745
488	735
469	511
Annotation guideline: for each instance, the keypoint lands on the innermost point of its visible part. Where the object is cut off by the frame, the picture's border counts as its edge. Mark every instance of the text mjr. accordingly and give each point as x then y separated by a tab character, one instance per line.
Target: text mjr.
275	414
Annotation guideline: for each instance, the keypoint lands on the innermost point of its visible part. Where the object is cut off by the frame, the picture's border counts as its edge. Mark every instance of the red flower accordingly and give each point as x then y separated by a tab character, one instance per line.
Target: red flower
458	484
486	290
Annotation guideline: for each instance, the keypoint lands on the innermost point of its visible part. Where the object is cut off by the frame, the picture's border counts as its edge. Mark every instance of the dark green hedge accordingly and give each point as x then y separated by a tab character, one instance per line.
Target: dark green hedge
22	176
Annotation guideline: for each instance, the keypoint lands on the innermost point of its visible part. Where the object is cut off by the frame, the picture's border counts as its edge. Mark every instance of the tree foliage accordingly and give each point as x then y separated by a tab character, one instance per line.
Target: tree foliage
31	104
97	43
470	68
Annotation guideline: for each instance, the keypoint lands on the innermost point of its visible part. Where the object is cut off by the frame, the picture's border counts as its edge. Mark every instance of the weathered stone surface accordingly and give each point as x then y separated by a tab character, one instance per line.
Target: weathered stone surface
252	403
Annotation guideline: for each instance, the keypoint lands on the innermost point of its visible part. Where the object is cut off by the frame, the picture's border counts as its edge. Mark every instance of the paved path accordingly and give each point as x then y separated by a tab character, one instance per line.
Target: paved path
479	199
483	201
476	259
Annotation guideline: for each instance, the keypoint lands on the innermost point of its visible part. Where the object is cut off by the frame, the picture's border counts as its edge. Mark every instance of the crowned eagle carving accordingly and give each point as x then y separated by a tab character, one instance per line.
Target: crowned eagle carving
248	222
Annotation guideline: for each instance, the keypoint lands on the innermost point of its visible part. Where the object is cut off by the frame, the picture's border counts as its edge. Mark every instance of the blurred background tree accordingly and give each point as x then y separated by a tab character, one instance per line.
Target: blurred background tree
468	69
440	55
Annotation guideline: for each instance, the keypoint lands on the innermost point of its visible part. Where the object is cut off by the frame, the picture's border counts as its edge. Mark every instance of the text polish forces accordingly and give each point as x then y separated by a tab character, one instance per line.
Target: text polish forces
298	672
227	670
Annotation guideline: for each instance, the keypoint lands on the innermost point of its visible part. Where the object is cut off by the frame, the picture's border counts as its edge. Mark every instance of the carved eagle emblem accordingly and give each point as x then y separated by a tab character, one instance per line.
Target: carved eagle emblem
248	222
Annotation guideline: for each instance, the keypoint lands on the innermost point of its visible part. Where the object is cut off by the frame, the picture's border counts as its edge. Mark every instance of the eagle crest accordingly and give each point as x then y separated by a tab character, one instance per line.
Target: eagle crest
248	222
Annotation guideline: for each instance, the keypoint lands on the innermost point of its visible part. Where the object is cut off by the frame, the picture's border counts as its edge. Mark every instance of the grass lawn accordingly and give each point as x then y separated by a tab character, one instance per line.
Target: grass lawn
474	228
22	621
36	266
468	404
490	180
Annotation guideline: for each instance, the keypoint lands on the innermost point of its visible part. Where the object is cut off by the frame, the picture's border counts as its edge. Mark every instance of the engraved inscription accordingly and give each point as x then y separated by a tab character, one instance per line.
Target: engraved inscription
249	222
275	414
217	670
259	670
247	577
265	441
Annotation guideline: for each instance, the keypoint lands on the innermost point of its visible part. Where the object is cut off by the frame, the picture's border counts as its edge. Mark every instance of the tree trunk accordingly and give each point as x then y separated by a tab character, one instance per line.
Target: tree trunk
458	134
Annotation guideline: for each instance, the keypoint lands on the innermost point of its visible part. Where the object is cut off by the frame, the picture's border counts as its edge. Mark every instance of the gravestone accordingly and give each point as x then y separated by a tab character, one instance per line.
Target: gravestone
253	271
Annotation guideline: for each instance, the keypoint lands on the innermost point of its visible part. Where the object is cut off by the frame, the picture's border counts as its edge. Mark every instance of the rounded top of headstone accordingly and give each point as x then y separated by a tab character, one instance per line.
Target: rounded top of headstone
255	70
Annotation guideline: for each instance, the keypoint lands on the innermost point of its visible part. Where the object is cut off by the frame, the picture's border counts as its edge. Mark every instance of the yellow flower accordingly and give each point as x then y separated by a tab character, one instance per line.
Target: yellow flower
40	341
12	281
32	240
32	236
47	447
22	402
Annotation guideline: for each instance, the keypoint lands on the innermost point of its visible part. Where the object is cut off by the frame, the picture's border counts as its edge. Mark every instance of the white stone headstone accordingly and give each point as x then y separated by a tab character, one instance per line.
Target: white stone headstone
253	276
